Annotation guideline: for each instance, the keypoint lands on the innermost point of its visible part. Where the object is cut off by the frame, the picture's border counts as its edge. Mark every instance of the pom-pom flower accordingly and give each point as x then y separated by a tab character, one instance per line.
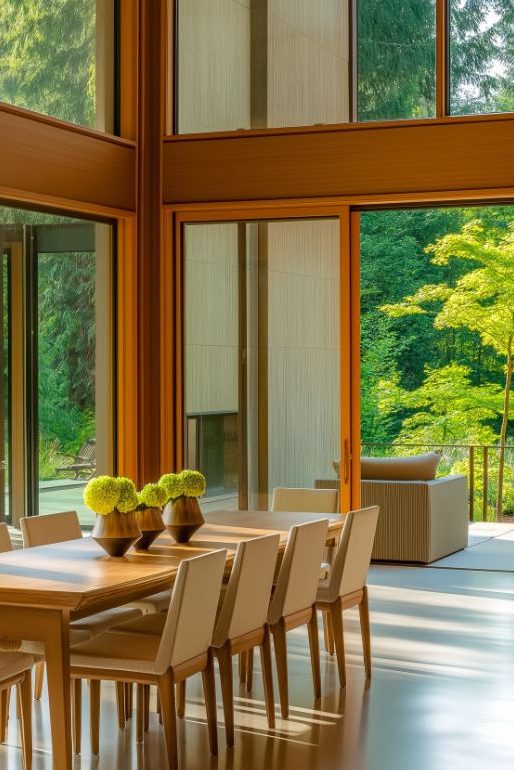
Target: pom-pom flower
101	494
127	495
192	483
152	496
172	485
105	494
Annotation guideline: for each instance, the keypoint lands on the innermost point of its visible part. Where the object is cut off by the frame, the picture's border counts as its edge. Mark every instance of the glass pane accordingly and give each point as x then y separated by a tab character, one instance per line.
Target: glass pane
58	58
481	56
74	388
59	281
442	277
5	353
395	59
262	357
259	64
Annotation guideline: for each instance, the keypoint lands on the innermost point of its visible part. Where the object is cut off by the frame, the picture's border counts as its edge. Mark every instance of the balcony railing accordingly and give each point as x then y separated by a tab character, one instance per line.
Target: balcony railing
478	461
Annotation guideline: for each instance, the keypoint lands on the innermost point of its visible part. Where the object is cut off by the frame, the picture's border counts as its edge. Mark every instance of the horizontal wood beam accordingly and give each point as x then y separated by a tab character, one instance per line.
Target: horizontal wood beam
47	160
350	161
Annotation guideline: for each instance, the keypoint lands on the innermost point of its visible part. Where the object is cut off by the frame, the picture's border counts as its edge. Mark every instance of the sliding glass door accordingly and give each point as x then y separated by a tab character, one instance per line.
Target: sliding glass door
265	364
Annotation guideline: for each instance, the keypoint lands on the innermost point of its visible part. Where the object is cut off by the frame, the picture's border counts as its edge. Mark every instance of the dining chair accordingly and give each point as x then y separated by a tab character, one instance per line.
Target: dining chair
346	585
292	604
241	625
59	528
182	650
15	671
311	501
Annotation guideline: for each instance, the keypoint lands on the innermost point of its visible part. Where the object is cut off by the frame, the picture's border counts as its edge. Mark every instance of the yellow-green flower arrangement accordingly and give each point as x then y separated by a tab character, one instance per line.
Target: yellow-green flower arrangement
108	493
184	484
151	496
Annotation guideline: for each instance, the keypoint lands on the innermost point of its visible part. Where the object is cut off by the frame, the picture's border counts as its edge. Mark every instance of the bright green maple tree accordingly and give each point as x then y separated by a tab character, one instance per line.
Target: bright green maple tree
481	300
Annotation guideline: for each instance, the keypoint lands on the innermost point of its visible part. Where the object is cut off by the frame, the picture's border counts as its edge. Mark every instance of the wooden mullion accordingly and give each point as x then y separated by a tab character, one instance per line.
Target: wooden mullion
442	58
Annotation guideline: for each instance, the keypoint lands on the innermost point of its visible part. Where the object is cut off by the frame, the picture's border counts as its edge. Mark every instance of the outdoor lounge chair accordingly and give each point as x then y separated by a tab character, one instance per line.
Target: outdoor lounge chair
83	462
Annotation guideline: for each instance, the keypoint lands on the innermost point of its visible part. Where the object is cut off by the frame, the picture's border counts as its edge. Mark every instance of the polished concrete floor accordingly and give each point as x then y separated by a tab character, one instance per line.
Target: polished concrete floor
442	696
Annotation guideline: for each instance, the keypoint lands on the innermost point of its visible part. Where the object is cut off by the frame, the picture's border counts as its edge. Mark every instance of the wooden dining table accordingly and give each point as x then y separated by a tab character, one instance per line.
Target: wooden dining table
43	589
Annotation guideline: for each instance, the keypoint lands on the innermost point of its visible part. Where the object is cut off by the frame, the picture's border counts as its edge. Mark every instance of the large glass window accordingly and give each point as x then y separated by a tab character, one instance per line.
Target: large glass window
57	361
481	56
262	382
395	59
58	58
265	63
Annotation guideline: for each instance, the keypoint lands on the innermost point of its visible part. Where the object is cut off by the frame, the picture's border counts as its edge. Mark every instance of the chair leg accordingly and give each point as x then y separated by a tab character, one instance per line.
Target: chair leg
365	632
169	721
140	712
336	614
128	700
314	648
242	667
279	641
209	691
4	712
227	691
25	701
180	691
39	673
147	708
249	670
120	704
76	714
94	714
267	678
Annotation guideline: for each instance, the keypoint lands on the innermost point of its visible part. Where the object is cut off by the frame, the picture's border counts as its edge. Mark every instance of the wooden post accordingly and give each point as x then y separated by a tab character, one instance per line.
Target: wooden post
471	481
485	483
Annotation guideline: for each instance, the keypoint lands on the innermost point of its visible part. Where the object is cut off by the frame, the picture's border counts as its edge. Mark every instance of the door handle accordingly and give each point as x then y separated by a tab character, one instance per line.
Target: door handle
346	461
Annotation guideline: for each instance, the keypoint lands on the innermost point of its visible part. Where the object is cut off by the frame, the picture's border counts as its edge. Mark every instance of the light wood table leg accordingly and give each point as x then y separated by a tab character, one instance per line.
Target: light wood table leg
57	656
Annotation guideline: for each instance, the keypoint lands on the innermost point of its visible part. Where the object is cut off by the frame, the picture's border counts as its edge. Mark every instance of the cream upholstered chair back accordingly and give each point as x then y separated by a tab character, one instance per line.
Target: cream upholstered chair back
50	528
246	602
351	562
298	577
305	500
5	538
188	629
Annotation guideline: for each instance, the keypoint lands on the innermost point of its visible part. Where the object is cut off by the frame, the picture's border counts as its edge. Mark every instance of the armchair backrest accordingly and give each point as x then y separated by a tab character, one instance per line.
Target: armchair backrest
305	500
5	538
351	562
50	528
298	578
246	601
192	611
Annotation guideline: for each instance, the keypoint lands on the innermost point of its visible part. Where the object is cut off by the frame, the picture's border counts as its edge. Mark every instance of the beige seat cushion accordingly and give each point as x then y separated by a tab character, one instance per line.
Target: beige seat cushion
13	663
103	621
154	603
414	468
38	648
148	624
118	652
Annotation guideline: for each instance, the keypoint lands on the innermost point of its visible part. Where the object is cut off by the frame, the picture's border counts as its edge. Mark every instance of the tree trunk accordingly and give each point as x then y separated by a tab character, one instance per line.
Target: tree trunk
503	432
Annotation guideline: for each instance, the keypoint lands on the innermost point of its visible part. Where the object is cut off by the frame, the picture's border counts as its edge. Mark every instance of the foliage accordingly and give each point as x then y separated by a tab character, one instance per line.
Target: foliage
47	57
152	496
104	494
396	57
